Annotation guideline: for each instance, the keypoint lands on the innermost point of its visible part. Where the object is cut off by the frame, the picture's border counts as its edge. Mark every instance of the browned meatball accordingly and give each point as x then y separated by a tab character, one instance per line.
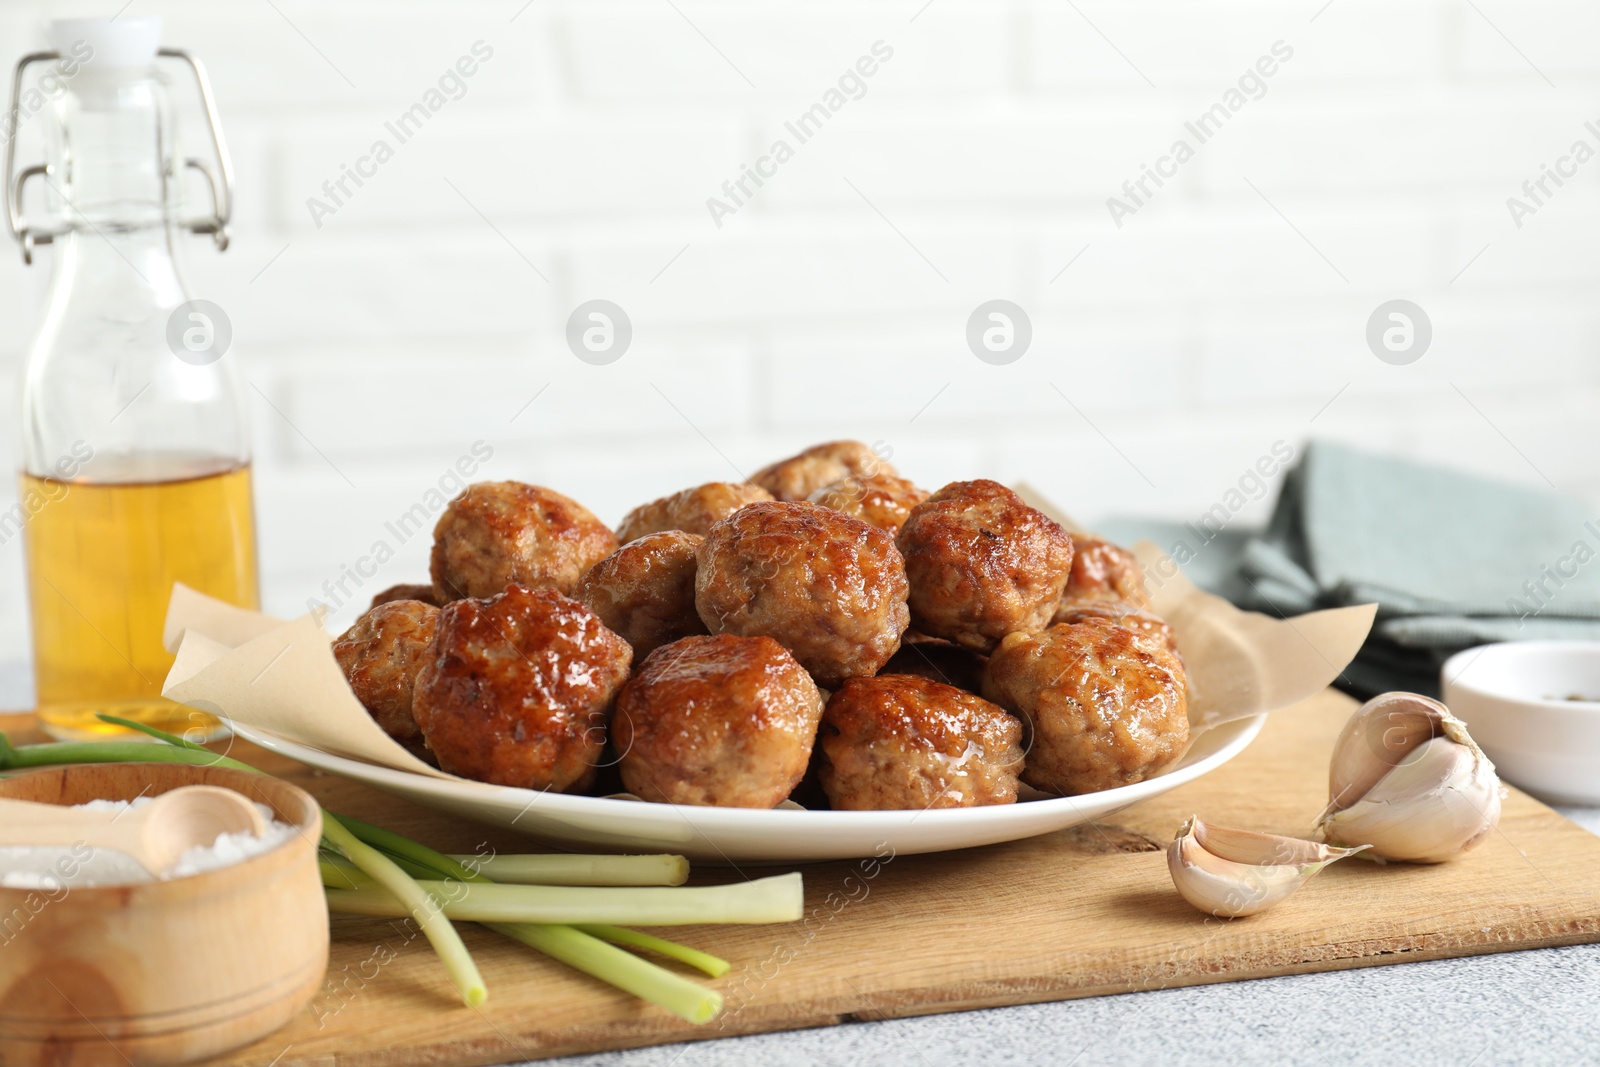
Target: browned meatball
645	590
1105	704
518	688
897	741
938	661
425	593
725	720
1141	619
982	564
381	655
1104	571
692	511
829	588
797	477
882	500
496	533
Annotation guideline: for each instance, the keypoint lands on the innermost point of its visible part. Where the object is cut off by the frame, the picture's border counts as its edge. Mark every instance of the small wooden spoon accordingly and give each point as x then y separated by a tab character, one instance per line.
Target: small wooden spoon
155	835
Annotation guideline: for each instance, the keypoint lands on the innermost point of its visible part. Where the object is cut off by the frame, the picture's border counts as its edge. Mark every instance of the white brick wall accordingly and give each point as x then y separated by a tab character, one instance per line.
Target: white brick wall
1189	339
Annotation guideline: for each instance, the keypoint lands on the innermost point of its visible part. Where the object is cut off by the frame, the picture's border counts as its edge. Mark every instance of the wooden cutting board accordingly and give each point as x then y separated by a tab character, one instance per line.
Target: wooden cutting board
1073	914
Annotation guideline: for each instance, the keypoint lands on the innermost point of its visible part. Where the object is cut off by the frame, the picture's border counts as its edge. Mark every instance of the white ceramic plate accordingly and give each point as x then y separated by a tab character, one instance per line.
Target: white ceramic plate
748	835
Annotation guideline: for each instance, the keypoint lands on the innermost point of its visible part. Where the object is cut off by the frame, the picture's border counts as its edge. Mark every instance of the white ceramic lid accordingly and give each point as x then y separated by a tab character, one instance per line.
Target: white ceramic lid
128	41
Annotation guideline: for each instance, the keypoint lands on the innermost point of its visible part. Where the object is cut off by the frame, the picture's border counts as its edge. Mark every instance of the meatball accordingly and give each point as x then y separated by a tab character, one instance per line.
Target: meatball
381	655
725	720
425	593
797	477
1104	571
829	588
982	564
518	688
645	590
898	741
1105	704
938	661
882	500
1141	619
692	511
497	533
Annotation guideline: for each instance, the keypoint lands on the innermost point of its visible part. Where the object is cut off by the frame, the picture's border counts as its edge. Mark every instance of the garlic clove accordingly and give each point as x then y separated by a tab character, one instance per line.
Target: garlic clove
1258	849
1441	800
1378	737
1408	779
1231	873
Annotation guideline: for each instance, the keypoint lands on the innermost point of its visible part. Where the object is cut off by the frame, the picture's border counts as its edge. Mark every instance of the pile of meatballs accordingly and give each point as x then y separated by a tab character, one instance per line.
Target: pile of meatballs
825	632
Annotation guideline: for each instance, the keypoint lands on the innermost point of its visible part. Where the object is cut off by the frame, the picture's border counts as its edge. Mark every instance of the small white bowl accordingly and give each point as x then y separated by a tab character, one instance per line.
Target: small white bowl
1534	706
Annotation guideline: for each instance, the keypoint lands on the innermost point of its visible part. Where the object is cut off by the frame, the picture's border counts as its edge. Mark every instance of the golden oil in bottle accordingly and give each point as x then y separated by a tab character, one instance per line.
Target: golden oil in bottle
102	559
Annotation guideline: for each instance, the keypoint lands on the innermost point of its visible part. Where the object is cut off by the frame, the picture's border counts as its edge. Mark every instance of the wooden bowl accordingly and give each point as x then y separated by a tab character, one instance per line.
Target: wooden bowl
161	972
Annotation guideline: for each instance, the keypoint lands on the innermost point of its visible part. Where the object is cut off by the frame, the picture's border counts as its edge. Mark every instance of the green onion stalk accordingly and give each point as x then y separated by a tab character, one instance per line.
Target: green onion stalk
587	951
580	870
764	900
369	870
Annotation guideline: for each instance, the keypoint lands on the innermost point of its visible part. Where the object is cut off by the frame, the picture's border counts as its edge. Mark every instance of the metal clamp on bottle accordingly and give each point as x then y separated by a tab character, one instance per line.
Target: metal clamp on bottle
216	224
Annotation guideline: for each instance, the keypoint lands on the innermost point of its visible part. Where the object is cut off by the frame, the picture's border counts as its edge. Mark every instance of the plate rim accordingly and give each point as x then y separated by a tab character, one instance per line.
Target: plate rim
710	819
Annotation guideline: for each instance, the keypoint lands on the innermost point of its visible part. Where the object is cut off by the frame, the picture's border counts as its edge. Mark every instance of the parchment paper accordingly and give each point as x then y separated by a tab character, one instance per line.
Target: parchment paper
245	667
281	676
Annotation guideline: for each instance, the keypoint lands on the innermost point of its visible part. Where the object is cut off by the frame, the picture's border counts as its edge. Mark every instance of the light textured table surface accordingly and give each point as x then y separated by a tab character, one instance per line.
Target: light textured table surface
1536	1007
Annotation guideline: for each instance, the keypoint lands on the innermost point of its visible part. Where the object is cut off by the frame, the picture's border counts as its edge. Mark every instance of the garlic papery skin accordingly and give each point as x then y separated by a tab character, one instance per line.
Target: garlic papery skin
1231	873
1407	779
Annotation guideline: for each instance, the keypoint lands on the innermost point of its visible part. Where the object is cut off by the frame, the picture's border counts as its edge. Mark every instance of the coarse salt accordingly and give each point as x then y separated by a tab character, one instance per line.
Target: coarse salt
52	869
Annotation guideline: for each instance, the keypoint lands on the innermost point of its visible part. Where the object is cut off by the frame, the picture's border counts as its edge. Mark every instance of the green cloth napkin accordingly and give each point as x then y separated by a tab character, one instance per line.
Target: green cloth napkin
1452	560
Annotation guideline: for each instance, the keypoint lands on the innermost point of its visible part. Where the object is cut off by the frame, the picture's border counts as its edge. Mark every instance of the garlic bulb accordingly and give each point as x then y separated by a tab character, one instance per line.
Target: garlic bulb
1408	780
1236	872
